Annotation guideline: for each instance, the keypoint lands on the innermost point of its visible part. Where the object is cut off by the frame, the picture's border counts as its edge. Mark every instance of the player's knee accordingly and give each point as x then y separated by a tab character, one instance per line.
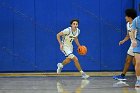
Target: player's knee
128	60
71	56
138	64
68	59
75	59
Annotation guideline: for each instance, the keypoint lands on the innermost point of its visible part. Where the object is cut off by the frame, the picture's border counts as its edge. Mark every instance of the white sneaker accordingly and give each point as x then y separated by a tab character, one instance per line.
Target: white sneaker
59	68
85	76
137	83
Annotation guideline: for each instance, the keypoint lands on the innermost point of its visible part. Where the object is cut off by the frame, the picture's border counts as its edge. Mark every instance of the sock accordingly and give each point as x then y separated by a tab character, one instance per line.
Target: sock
123	75
81	71
61	65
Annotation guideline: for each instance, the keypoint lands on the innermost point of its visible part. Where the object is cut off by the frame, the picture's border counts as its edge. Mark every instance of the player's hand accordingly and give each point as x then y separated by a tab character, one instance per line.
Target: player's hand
121	42
61	47
134	43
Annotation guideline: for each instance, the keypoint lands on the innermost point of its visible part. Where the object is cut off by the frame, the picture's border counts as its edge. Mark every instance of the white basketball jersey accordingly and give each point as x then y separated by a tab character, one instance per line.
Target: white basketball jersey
129	27
69	36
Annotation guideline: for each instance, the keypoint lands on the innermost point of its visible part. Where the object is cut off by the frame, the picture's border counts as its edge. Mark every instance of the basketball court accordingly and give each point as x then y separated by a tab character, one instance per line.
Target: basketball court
37	53
66	84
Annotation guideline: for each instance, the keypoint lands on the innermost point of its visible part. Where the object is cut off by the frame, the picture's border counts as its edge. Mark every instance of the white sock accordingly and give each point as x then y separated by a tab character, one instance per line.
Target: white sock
138	77
60	65
81	71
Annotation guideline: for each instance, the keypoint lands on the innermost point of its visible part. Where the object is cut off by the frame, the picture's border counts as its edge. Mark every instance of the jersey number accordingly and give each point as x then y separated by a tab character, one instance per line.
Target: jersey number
71	40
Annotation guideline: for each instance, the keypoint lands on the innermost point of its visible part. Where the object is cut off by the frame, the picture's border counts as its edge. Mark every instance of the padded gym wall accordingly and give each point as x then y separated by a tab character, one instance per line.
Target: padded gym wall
29	27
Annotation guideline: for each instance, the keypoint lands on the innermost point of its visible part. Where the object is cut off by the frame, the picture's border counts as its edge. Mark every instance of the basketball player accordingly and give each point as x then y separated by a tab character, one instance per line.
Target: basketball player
130	14
68	35
136	45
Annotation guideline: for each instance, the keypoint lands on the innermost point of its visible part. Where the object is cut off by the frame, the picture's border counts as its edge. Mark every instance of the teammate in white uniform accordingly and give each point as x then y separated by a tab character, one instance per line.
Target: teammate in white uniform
130	50
67	40
130	15
68	35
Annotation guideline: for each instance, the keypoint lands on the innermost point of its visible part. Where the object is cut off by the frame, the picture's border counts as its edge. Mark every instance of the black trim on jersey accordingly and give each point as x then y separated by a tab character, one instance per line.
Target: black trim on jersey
130	25
73	33
68	54
129	30
64	52
137	52
130	55
77	31
63	38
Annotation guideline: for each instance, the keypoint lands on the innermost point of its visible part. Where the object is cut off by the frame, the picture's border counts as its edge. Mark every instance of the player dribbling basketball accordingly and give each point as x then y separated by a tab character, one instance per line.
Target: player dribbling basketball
68	35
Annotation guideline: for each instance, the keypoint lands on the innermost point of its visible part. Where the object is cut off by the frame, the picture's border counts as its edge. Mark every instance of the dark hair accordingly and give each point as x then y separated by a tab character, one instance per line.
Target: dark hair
131	13
74	20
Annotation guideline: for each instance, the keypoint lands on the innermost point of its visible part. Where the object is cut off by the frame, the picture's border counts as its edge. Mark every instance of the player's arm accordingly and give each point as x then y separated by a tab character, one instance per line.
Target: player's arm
59	39
132	33
125	39
77	41
132	36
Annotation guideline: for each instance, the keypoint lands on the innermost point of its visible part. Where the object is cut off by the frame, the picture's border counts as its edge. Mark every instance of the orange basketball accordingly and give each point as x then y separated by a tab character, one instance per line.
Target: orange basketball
82	50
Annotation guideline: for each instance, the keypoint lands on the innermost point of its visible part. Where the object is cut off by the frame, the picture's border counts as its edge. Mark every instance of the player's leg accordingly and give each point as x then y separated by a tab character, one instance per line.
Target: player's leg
77	64
134	61
66	61
137	66
67	51
60	65
125	69
137	69
128	60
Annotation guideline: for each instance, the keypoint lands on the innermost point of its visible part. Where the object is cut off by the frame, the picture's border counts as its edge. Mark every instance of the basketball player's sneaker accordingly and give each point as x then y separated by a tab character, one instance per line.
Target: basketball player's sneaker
137	83
85	76
119	77
59	68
